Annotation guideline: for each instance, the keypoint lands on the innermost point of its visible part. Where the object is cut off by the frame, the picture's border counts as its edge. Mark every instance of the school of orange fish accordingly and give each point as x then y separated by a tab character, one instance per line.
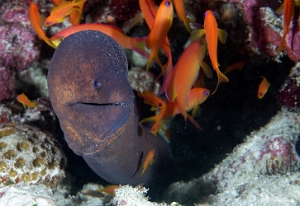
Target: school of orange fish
183	92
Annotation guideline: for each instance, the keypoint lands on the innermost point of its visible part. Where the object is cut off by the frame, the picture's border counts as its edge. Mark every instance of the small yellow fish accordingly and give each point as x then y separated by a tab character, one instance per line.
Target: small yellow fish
162	24
148	160
23	99
109	189
212	33
263	87
59	13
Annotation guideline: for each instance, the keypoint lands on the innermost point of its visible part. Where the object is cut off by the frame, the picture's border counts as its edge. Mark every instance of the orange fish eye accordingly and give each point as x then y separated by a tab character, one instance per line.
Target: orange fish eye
168	3
206	93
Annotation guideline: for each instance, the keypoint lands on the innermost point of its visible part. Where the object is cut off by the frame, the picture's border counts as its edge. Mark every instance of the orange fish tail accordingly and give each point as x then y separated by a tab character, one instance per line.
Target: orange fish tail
153	56
279	50
221	78
34	104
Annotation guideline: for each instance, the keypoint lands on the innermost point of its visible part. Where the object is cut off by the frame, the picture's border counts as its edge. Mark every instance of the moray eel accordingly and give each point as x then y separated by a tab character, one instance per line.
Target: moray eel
95	105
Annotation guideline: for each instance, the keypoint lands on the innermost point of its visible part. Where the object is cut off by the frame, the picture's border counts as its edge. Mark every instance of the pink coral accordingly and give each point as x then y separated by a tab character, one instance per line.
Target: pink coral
122	11
282	155
266	29
289	95
17	49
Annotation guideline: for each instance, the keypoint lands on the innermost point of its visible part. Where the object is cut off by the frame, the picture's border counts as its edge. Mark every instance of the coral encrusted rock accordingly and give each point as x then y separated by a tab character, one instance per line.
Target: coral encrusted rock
28	155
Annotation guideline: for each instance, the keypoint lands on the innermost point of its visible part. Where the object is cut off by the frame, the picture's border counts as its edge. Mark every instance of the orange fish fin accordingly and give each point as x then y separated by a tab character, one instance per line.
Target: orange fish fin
167	77
173	93
139	17
156	127
222	36
153	56
196	111
197	34
193	121
206	70
24	105
34	104
221	78
181	104
139	46
281	45
149	119
280	9
187	24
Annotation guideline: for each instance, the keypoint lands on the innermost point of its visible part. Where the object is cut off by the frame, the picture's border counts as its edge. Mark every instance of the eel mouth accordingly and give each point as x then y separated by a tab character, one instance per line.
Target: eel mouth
122	104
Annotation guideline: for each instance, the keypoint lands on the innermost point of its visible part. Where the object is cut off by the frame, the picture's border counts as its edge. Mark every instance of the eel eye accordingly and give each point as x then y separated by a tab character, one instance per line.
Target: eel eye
96	83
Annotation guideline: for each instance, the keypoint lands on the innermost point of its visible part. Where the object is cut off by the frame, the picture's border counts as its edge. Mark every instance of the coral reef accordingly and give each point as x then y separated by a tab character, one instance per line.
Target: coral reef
141	80
261	190
29	156
127	195
122	12
289	94
269	151
263	170
17	46
25	195
266	28
42	116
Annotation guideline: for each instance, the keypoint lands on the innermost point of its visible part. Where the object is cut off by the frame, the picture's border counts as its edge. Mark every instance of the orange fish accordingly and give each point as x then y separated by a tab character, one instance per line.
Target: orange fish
183	78
180	10
263	87
23	99
59	13
148	161
162	23
34	18
109	189
212	33
75	15
288	10
151	99
149	11
196	97
238	65
57	2
126	42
